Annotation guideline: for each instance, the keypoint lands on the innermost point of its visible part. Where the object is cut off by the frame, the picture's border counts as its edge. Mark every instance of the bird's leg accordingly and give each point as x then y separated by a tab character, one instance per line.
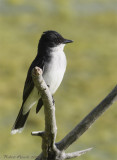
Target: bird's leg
53	100
48	86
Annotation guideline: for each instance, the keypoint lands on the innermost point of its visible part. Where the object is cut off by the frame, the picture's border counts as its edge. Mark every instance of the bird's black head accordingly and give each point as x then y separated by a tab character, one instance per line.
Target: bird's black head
52	39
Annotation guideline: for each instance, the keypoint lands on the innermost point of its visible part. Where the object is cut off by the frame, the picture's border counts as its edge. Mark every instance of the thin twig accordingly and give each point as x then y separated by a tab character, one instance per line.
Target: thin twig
76	154
38	133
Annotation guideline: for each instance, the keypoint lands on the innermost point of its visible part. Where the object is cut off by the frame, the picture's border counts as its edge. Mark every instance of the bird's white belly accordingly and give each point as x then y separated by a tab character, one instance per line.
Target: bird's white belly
53	79
54	72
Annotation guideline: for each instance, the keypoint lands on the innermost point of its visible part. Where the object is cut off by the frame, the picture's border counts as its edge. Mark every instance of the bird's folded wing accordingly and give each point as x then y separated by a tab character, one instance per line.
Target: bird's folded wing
29	85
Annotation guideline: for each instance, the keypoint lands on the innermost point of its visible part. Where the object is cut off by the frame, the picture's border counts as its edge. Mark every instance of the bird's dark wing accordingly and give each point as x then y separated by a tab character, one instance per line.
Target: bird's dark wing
29	85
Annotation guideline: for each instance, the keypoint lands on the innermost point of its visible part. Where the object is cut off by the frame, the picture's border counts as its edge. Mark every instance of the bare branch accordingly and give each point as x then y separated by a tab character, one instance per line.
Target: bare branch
38	133
76	154
87	121
49	135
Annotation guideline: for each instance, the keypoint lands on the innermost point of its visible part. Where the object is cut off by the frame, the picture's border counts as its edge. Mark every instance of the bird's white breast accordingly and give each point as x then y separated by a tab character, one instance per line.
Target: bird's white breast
54	70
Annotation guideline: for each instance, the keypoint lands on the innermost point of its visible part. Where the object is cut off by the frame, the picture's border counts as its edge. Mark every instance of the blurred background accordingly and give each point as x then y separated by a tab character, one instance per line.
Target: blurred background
91	72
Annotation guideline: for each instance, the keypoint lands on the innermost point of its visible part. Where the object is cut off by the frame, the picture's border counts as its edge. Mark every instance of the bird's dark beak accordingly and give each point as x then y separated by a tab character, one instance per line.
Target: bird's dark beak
67	41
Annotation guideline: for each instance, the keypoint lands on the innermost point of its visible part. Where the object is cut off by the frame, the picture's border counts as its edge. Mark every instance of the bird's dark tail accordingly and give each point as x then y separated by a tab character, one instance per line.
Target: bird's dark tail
20	122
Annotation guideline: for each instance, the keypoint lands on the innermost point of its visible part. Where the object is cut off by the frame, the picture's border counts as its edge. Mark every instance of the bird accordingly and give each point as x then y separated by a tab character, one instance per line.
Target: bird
52	60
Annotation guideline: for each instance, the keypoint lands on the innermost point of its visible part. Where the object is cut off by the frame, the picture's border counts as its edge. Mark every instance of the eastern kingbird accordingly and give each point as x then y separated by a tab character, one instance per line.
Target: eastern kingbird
52	60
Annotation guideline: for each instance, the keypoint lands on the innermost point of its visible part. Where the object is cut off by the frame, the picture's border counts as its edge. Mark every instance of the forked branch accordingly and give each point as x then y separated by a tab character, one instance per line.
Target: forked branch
56	151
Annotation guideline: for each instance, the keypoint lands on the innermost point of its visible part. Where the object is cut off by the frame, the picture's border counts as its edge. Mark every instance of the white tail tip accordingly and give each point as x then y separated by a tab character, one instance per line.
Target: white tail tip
14	131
